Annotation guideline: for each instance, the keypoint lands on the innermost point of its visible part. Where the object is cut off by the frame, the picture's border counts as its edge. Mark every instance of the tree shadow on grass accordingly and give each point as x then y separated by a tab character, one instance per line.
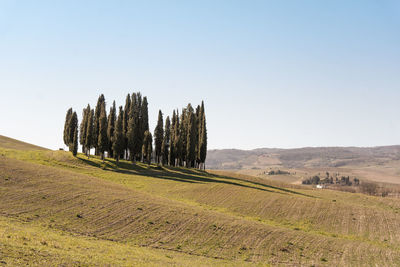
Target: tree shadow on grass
264	185
205	173
179	174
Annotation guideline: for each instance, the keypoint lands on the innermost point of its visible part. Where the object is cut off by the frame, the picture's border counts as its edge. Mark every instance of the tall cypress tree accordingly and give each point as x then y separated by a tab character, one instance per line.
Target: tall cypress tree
72	126
144	121
182	137
171	159
96	128
198	131
66	127
133	129
147	147
139	134
110	128
118	138
75	142
191	139
89	142
166	142
137	131
125	124
178	141
203	137
145	115
158	136
102	140
83	126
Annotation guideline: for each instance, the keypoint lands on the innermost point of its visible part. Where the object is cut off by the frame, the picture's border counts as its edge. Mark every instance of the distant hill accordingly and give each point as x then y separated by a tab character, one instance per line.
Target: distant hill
308	157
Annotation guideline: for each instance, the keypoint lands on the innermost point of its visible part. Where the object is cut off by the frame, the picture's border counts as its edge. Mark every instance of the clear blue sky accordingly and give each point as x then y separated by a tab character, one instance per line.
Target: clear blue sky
272	73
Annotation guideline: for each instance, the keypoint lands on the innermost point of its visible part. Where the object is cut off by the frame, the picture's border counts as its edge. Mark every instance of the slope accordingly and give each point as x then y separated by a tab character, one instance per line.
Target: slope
223	217
7	142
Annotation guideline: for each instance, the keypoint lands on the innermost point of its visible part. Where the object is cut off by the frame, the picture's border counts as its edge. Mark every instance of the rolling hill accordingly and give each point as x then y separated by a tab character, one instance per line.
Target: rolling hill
56	209
312	157
380	164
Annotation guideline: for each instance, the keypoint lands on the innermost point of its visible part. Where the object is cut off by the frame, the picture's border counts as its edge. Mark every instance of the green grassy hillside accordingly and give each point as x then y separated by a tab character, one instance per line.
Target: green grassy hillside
55	208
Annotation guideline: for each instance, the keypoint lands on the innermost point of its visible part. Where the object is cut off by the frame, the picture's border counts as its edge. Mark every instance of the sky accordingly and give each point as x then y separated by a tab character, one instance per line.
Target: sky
272	73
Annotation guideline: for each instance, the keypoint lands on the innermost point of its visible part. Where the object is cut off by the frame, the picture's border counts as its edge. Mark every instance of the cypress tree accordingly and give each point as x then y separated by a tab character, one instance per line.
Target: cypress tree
118	138
177	141
198	131
166	141
72	127
96	125
125	123
133	129
83	126
139	134
191	139
203	137
171	159
75	143
158	136
110	128
147	147
89	133
66	127
138	138
182	138
102	140
144	121
145	115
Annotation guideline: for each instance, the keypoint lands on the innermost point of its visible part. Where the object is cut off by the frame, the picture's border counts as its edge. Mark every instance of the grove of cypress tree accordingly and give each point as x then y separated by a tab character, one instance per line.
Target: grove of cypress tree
166	142
110	128
75	143
66	127
89	142
158	136
118	138
96	126
102	140
182	141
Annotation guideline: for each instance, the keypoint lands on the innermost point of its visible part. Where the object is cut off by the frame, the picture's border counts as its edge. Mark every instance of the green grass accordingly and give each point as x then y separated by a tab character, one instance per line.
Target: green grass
232	218
29	243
